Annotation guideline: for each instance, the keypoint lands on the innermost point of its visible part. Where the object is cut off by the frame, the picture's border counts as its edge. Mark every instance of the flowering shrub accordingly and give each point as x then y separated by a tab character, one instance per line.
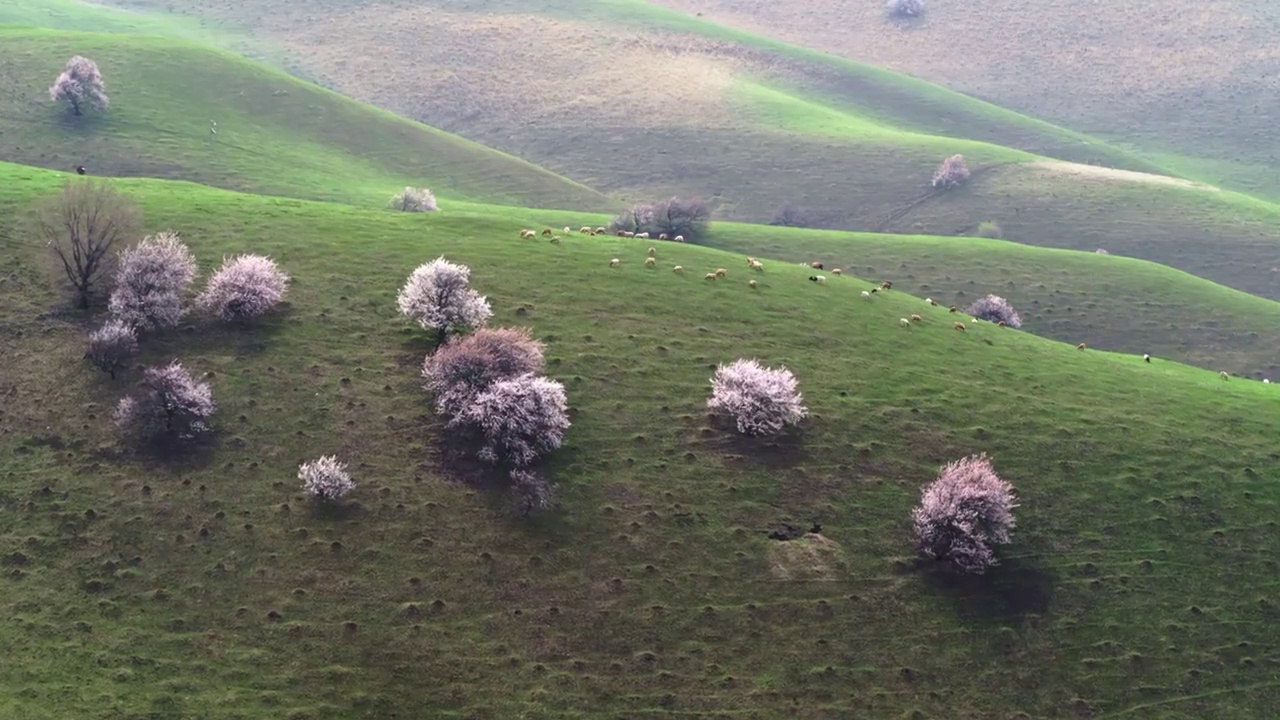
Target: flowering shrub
244	287
518	419
325	478
761	400
963	513
150	279
413	199
951	173
996	309
80	84
438	296
531	493
112	346
464	367
168	405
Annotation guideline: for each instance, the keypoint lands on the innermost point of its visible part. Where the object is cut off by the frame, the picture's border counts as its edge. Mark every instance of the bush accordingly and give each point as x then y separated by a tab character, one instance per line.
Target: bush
150	279
761	400
413	199
464	367
952	173
996	309
963	513
519	419
82	226
169	405
989	229
676	216
905	8
80	85
438	296
244	287
325	478
789	215
112	346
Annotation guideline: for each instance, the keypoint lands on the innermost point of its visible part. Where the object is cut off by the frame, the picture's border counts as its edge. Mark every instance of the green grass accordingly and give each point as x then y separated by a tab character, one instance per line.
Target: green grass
276	135
1139	585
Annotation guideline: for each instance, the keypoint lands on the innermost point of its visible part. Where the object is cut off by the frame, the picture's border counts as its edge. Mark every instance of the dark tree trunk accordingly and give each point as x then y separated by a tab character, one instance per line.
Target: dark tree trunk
440	334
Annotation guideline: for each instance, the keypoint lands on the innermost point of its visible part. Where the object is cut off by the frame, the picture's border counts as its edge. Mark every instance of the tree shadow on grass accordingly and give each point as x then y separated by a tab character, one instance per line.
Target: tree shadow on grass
775	452
1007	593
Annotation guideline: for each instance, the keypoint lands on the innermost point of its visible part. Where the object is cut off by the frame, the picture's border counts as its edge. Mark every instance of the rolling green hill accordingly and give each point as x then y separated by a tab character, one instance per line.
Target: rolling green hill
1139	584
275	135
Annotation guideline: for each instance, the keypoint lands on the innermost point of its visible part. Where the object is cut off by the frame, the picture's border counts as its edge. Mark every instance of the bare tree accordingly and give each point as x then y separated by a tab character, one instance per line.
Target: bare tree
83	226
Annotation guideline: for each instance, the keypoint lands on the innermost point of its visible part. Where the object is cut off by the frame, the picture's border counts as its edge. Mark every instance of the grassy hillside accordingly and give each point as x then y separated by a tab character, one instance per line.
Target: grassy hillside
1173	77
275	134
1139	584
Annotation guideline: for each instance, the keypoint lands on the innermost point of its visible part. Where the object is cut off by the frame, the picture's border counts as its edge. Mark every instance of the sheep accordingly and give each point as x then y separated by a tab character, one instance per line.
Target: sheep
653	252
818	278
621	233
1146	358
1081	346
816	265
629	234
546	232
751	283
1266	381
875	290
916	318
567	230
642	236
721	272
662	236
837	271
615	262
600	231
555	239
678	238
933	303
886	285
757	266
678	269
524	232
1223	375
904	322
866	295
709	276
960	326
649	262
584	230
750	260
954	309
1000	324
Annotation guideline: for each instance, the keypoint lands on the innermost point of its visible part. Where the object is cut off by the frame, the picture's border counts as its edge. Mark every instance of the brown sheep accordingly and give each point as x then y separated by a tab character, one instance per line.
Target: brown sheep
960	326
621	233
816	265
916	318
953	309
1000	324
934	303
886	285
546	232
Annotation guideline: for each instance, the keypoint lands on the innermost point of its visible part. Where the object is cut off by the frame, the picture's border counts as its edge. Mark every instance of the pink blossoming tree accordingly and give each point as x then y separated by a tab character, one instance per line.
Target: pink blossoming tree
963	513
80	85
169	405
244	288
466	366
518	419
150	279
439	297
761	400
996	309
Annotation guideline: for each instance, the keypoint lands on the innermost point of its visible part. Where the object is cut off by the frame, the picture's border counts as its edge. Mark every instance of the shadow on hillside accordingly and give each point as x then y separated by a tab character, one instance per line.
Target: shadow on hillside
1008	592
784	450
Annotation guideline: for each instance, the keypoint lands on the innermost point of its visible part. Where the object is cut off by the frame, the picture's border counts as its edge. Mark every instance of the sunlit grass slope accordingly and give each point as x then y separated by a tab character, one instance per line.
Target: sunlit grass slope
1140	583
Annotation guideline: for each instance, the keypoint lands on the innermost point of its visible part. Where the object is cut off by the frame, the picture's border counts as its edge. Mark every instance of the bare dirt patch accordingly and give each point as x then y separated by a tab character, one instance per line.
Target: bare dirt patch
812	557
1106	173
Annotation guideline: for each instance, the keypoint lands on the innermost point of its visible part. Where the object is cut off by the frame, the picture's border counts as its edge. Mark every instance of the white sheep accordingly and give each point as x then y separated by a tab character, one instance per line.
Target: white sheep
584	230
555	239
615	262
678	269
642	236
567	230
1146	358
1223	375
751	283
649	262
866	295
679	238
818	278
837	271
653	251
904	322
756	265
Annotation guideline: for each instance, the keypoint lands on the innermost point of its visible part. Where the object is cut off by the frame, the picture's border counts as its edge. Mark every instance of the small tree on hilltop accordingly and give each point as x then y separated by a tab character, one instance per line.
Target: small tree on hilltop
438	296
111	347
244	288
80	85
905	8
963	513
761	400
150	280
789	215
952	173
464	367
83	226
996	309
518	420
413	199
169	405
687	217
325	478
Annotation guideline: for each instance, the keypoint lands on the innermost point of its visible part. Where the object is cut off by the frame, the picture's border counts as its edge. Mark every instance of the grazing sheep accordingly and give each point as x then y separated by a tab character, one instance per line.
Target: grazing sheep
679	238
1146	358
837	271
547	232
721	272
916	318
649	262
621	233
1266	381
750	260
960	326
875	290
1001	324
866	295
599	231
567	230
662	236
751	283
815	265
954	309
1223	375
678	269
615	262
653	251
709	276
585	231
524	232
629	234
757	266
818	278
934	303
555	239
905	322
642	236
1081	346
886	285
